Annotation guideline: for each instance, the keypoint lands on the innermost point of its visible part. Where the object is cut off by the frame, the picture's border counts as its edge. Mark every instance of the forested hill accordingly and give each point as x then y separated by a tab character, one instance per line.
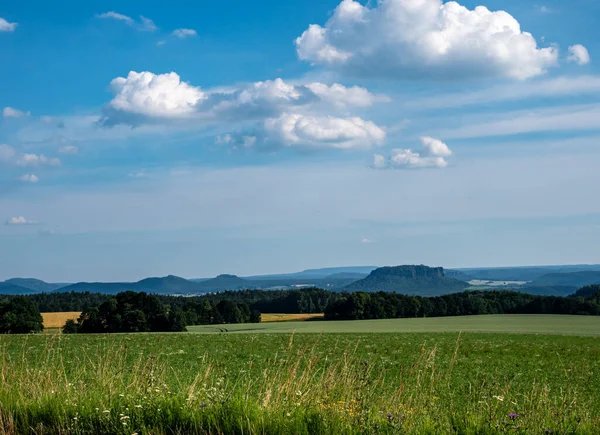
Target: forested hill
409	280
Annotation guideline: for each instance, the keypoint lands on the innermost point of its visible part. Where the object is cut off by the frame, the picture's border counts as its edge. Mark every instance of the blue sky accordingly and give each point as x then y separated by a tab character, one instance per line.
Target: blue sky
234	137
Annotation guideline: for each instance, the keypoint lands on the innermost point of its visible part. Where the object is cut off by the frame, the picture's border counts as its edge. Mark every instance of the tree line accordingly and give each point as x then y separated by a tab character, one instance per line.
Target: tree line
381	305
141	312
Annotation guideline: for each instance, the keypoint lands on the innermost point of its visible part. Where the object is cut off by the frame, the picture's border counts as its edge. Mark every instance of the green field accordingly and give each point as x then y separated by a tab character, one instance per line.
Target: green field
366	382
529	324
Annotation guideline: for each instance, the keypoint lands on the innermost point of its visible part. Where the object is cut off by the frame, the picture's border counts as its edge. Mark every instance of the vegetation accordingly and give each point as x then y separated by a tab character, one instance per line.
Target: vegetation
141	312
302	384
493	323
19	316
358	306
588	291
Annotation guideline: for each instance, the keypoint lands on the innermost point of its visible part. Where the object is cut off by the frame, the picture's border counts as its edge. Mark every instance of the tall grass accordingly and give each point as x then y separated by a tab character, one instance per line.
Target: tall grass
48	387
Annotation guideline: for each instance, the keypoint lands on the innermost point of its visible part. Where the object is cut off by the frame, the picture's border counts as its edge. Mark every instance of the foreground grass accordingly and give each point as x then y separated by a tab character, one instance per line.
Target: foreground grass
504	323
299	384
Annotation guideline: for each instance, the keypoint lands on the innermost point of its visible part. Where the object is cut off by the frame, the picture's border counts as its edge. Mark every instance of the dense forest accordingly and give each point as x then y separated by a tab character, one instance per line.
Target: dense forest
381	305
309	301
141	312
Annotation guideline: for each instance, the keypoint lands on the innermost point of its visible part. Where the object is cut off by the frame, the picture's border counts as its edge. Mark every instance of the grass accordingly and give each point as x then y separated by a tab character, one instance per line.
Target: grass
270	317
57	320
529	324
284	383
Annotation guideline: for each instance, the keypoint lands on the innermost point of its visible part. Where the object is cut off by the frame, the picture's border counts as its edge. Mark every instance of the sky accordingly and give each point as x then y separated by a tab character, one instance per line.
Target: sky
265	137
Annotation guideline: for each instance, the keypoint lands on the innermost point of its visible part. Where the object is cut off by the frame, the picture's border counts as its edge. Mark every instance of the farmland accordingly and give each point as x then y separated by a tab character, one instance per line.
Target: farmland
334	383
57	320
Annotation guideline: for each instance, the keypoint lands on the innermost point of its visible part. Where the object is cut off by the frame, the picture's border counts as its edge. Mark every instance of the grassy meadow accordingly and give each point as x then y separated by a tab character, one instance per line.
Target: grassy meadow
268	317
365	382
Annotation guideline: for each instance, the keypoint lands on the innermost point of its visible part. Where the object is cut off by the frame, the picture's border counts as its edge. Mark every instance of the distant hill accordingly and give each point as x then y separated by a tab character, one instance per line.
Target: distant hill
409	280
572	279
315	273
165	285
529	273
587	291
12	289
36	285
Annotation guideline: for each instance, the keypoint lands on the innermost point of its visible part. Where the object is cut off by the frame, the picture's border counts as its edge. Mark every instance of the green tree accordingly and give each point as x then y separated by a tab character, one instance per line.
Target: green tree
20	316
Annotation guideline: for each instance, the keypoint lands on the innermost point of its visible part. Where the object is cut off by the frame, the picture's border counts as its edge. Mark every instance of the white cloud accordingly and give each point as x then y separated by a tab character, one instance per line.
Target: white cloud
68	149
366	241
184	33
37	160
343	96
579	54
7	153
545	10
293	129
432	155
19	220
145	24
310	132
116	16
148	95
435	147
5	26
11	112
29	178
424	38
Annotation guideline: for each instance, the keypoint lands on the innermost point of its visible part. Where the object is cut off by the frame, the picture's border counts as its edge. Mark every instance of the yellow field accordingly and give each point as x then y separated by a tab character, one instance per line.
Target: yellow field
57	320
269	317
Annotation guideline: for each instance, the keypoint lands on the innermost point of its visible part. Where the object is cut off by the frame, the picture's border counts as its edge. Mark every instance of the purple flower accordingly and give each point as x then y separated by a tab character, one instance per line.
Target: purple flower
390	416
202	405
513	416
548	431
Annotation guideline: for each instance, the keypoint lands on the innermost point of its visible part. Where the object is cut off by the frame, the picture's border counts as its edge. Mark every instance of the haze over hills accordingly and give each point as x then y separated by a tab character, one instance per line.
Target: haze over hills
415	280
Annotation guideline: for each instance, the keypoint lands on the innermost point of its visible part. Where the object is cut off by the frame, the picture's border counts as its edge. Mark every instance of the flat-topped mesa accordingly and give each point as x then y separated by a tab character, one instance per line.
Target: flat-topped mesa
410	272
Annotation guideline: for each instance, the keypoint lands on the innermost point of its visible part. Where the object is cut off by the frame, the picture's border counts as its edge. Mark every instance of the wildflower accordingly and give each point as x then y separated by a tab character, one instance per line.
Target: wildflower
513	416
106	411
202	405
75	418
500	398
390	416
548	431
121	395
124	423
97	409
288	414
138	406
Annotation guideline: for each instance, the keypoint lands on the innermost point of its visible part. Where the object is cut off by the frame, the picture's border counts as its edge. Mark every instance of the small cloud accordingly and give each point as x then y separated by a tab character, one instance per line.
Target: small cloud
366	241
29	178
116	16
19	220
184	33
161	43
545	10
37	160
11	112
145	24
68	149
5	26
579	54
138	174
48	233
7	153
433	154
